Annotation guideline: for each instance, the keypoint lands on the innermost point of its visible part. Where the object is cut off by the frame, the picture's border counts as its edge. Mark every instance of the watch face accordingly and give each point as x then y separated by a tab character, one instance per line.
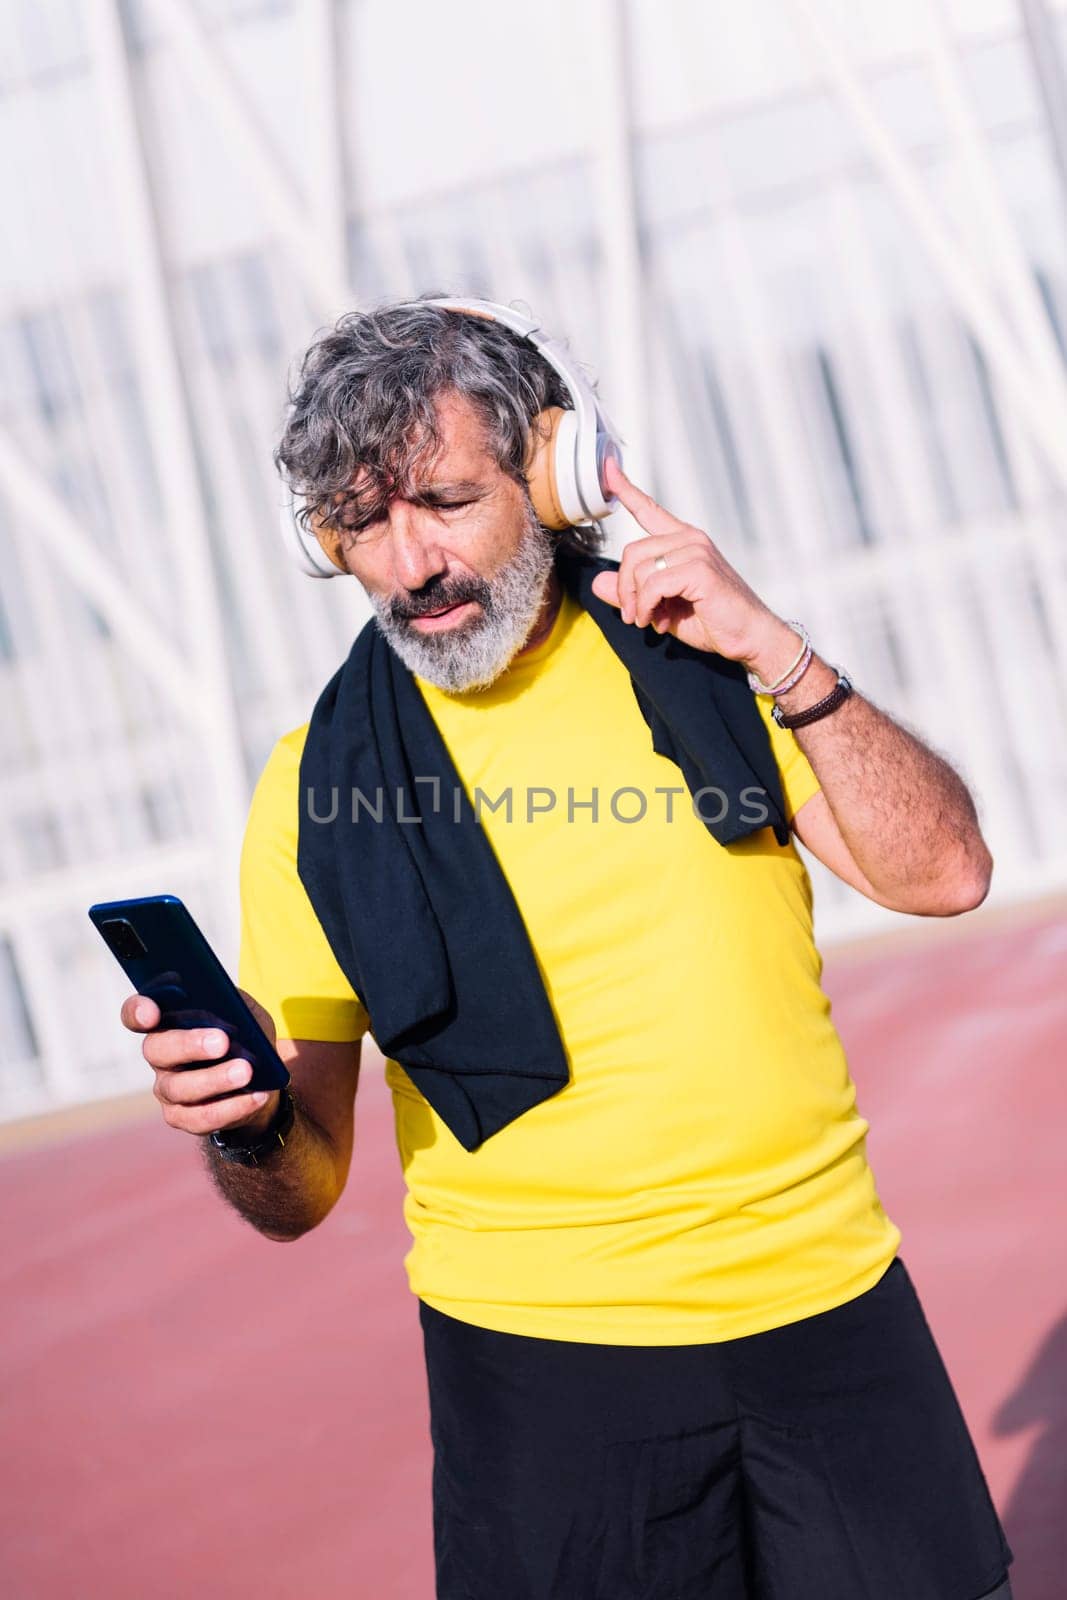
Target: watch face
247	1149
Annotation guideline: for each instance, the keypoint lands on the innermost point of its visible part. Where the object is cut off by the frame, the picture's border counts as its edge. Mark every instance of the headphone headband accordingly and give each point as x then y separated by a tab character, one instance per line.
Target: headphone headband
578	387
570	448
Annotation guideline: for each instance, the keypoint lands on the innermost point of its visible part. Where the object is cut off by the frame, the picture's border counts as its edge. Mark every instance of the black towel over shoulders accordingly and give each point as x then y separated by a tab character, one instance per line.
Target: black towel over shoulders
418	913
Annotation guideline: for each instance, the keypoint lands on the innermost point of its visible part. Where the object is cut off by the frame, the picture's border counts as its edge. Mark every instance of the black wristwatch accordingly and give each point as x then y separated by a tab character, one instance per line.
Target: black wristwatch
250	1147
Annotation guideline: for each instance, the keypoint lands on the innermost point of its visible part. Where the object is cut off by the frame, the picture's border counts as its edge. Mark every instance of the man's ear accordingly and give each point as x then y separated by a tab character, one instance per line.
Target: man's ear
330	540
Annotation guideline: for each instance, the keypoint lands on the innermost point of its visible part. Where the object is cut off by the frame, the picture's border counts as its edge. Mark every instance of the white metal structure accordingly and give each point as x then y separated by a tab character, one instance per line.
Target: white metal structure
816	251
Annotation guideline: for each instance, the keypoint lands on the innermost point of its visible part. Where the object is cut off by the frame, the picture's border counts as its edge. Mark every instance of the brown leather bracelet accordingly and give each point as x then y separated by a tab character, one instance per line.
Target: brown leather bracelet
822	708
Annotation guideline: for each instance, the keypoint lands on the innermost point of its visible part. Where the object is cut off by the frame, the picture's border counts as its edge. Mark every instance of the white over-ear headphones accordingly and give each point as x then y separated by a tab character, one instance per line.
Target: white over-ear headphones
568	448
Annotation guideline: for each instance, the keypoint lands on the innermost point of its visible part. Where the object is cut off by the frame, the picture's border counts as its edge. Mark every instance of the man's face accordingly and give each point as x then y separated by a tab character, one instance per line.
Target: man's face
458	580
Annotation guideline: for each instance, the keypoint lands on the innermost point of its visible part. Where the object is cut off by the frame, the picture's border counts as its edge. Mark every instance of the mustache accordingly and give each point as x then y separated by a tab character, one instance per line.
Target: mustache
438	594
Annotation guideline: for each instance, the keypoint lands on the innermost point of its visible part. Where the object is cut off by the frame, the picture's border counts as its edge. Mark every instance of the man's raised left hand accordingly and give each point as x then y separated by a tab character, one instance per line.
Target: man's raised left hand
697	596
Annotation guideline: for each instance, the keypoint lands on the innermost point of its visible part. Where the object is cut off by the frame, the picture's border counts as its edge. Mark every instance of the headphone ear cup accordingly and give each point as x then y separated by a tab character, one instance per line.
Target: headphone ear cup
541	475
326	546
302	544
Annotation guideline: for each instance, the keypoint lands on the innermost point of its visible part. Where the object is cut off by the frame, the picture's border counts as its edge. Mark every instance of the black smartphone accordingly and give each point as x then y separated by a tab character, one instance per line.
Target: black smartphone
165	956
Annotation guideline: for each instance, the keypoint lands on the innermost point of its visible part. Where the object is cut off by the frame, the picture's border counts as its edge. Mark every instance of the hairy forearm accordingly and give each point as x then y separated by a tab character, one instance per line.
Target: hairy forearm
293	1189
897	811
906	816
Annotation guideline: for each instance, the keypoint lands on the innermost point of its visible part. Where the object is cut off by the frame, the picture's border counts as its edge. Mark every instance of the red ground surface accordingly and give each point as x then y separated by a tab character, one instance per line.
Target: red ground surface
188	1409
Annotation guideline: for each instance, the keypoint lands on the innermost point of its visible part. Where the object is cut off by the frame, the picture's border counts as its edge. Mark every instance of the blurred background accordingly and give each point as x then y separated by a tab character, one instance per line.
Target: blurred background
814	251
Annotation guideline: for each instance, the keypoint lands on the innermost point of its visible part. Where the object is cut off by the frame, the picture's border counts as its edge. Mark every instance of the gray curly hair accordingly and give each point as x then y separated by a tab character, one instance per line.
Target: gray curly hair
364	400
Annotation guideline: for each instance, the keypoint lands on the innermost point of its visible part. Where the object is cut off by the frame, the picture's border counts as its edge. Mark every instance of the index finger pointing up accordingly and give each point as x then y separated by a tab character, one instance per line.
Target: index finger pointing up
648	513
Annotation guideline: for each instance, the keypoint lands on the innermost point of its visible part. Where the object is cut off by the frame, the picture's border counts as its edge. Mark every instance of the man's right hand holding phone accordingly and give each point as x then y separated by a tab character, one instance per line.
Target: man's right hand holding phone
198	1091
290	1184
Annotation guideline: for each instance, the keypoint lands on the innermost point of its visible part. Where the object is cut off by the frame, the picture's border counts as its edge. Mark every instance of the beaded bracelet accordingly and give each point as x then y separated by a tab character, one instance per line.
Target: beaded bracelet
793	673
794	678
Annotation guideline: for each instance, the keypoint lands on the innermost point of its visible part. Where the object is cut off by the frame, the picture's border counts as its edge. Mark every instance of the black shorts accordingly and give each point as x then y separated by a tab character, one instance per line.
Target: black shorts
824	1460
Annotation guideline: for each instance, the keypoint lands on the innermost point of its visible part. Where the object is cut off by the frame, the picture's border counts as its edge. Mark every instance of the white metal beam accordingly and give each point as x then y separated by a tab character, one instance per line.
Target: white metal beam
920	544
327	187
995	235
625	288
171	434
1041	411
1043	42
287	213
73	888
63	543
783	480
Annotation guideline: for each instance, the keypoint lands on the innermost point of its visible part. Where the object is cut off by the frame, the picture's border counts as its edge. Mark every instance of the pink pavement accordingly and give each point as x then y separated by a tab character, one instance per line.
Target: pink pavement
190	1409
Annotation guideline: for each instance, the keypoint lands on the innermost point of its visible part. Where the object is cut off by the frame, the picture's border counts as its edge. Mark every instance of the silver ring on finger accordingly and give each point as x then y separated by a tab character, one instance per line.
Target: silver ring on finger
660	563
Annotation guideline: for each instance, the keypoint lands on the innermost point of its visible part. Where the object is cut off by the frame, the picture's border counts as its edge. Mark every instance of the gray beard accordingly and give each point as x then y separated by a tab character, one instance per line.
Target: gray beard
474	655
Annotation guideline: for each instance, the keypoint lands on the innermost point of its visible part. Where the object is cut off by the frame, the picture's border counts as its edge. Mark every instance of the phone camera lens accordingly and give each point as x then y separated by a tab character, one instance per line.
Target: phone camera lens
123	938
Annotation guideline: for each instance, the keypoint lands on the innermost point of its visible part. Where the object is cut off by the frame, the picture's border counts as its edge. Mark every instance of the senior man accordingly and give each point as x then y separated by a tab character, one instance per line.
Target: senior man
672	1349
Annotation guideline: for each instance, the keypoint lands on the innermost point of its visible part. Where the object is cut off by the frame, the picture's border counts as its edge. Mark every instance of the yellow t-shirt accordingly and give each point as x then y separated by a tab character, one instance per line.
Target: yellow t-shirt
704	1174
